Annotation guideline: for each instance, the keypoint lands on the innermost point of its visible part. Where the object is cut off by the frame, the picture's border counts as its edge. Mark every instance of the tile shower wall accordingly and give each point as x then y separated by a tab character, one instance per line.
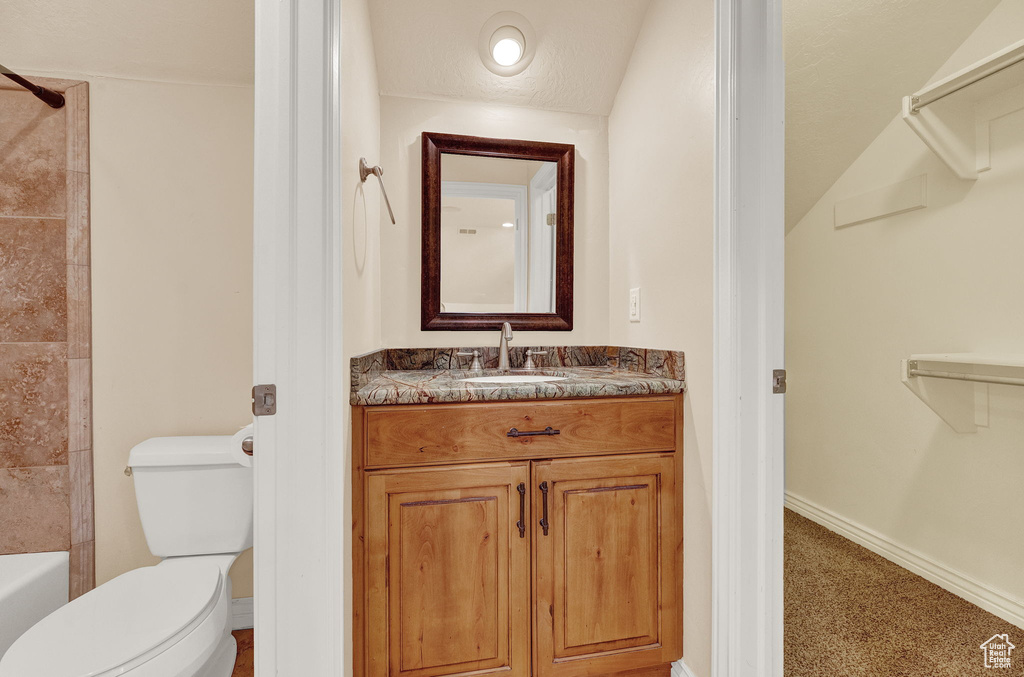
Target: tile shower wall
46	497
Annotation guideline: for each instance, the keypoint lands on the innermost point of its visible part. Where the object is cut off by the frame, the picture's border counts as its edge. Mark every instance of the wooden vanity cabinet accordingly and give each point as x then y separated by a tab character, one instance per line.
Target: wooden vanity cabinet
448	574
606	582
553	562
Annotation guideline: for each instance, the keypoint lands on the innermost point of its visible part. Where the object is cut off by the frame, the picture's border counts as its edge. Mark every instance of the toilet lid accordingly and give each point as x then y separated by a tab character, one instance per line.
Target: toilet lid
135	616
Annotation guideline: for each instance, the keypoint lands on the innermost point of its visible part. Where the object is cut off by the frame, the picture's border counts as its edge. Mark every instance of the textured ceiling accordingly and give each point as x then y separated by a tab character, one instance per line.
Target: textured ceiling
182	40
428	49
848	65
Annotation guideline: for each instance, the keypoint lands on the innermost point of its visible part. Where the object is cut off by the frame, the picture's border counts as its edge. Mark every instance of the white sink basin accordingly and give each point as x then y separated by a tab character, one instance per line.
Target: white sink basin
513	378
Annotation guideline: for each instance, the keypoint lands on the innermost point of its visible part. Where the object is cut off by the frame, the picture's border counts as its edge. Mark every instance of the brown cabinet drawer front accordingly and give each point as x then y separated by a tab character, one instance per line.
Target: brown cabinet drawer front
458	433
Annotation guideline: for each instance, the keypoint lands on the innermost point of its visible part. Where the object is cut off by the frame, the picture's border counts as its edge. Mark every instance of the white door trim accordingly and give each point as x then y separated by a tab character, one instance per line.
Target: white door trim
748	419
299	473
542	241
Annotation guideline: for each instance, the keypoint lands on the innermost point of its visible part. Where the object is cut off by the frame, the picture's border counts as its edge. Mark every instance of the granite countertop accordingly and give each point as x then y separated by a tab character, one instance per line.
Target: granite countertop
423	376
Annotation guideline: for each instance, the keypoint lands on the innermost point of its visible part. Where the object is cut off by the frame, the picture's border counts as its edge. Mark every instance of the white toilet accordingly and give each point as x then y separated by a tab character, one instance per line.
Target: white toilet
172	619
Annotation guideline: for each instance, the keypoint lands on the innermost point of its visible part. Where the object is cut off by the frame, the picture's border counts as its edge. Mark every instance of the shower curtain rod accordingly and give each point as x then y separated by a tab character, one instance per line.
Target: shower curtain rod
48	96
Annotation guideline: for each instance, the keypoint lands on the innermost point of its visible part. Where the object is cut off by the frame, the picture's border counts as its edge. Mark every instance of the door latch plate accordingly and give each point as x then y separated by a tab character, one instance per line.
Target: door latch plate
264	400
779	381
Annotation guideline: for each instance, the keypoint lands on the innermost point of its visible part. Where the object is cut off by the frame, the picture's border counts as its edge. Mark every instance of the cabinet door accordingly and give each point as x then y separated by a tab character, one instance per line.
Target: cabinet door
448	579
608	570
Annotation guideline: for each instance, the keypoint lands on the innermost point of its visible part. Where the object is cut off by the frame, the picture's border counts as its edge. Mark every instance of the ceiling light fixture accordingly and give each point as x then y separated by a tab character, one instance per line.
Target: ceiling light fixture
507	44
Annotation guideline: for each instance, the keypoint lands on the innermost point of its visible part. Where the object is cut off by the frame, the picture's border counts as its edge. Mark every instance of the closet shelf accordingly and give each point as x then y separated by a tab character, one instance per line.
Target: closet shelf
977	367
946	383
952	116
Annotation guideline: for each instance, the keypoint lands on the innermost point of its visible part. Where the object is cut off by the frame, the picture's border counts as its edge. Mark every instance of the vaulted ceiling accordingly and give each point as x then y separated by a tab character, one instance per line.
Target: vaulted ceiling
848	65
428	49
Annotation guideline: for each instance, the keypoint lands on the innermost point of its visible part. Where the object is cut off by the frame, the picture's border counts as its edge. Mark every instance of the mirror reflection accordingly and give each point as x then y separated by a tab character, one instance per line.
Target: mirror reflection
498	235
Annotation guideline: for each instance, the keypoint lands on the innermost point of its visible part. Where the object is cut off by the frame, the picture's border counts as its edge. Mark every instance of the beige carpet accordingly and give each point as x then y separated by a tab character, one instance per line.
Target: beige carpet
852	613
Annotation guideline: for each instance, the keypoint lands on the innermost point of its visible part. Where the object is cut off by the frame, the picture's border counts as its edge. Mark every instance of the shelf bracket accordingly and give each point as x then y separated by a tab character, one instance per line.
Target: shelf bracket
963	406
952	116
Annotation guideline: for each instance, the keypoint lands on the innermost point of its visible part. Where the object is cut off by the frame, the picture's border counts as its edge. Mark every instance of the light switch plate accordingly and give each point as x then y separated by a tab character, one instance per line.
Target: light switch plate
634	304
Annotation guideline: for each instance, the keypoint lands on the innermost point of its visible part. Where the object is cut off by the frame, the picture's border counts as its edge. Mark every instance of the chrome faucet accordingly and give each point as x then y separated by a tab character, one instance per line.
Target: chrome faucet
506	336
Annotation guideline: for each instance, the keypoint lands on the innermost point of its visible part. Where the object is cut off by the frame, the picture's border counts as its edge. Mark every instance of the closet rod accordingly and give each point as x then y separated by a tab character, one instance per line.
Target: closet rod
912	370
998	62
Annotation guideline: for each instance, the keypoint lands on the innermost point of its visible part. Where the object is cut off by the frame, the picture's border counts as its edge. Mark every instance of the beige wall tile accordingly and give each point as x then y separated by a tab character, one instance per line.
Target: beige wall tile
33	404
56	84
83	570
33	280
79	312
32	156
79	404
46	494
34	509
80	476
77	186
77	102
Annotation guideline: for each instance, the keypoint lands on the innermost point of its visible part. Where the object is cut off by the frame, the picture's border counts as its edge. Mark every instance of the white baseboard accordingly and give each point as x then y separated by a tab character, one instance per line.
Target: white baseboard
681	669
988	598
241	613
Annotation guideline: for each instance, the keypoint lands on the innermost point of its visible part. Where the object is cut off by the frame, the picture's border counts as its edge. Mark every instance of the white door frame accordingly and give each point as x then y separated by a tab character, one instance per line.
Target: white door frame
748	483
541	241
301	627
299	465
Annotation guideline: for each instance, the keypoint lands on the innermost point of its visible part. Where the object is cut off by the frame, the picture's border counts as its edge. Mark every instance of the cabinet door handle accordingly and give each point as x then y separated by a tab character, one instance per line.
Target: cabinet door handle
544	519
522	510
532	433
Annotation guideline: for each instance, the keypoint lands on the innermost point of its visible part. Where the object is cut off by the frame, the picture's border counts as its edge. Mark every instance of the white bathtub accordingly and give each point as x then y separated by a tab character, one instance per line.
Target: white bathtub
31	587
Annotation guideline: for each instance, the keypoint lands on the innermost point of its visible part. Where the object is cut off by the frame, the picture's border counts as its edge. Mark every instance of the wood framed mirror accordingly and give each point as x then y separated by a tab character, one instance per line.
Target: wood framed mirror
497	242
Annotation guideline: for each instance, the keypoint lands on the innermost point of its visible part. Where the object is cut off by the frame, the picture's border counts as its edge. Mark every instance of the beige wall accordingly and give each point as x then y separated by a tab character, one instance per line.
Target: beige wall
402	121
946	278
661	135
172	285
361	211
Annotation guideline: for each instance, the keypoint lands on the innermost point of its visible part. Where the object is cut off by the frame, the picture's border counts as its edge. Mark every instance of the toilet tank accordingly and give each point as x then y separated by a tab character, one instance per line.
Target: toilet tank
194	494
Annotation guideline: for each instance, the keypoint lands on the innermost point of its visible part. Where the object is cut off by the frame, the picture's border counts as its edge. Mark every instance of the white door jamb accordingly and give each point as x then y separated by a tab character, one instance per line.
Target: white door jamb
299	474
748	419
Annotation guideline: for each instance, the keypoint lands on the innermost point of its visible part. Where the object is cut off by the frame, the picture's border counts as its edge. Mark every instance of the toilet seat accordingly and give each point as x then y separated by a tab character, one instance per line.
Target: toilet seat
121	624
